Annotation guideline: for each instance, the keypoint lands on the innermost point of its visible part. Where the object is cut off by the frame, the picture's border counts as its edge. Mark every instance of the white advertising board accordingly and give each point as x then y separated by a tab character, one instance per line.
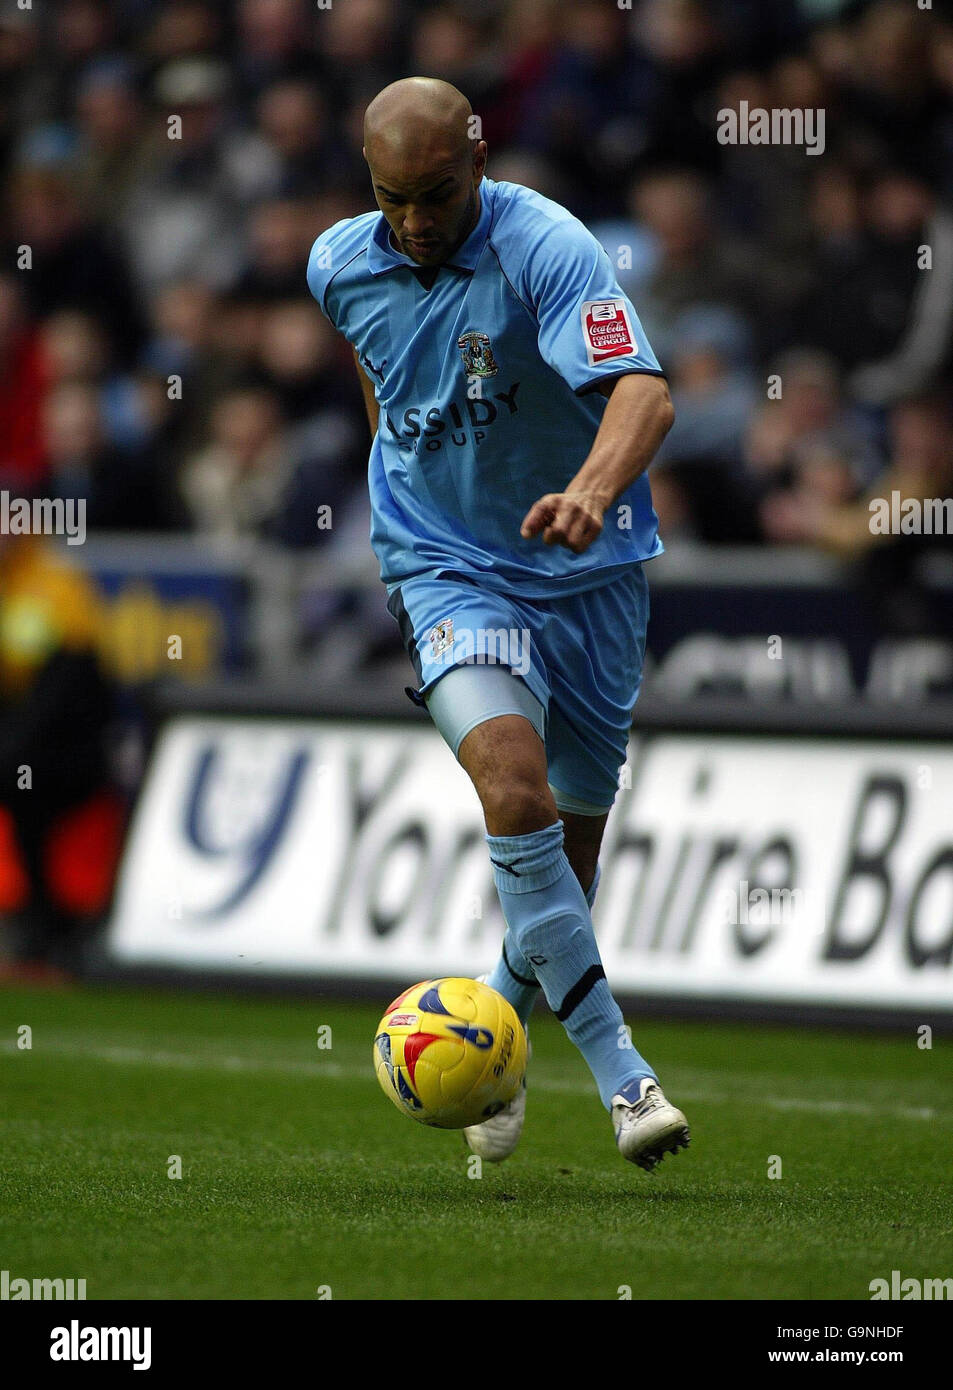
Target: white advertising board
782	869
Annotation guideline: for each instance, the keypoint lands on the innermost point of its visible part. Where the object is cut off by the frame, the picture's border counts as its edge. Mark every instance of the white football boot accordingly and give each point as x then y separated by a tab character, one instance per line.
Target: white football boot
648	1127
496	1138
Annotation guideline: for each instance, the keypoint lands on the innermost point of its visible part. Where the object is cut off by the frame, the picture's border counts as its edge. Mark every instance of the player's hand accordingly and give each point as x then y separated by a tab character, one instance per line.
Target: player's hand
572	519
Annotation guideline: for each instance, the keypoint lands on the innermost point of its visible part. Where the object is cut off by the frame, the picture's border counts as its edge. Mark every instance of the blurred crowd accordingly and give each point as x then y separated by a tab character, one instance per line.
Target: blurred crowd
162	359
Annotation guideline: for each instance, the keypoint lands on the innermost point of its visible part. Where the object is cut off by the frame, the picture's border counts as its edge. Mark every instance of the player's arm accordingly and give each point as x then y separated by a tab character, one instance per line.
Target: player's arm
367	389
636	420
589	332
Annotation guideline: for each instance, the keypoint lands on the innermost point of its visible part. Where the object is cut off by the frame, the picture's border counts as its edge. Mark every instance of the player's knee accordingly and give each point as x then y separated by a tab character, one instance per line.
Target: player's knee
517	802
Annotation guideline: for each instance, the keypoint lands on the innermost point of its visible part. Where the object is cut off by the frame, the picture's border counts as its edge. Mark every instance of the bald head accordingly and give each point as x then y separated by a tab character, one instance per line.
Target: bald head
426	163
417	112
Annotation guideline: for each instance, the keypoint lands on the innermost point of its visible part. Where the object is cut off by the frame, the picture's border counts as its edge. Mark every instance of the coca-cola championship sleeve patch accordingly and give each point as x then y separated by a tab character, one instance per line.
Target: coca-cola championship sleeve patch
607	330
589	329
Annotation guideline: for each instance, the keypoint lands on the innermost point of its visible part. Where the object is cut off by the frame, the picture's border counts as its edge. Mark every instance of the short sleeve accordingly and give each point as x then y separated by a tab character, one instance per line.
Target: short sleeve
589	331
322	266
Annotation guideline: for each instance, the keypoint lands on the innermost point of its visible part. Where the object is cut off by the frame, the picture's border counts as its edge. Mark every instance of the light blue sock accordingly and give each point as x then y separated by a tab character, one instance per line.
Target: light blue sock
547	914
514	977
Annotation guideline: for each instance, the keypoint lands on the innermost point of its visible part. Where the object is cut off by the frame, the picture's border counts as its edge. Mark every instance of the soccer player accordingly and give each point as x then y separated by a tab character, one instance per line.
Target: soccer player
515	405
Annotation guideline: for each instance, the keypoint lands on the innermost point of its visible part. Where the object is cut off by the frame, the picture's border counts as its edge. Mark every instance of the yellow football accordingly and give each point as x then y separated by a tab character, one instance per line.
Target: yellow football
450	1052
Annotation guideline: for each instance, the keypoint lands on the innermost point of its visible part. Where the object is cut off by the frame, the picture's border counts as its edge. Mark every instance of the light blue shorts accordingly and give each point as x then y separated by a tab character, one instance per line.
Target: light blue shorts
578	658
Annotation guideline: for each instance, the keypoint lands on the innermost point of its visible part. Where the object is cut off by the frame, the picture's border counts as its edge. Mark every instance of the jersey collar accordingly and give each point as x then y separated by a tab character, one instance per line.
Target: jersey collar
381	255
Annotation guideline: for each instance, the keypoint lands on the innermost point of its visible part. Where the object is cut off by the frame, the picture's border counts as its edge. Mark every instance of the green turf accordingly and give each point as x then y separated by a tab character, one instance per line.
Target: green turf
297	1172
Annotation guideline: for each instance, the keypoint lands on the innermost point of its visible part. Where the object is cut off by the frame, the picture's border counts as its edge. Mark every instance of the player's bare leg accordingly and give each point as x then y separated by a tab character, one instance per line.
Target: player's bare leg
506	761
582	842
549	932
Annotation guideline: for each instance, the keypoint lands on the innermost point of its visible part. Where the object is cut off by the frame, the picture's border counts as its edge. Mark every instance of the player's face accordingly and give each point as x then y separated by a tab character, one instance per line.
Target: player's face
432	209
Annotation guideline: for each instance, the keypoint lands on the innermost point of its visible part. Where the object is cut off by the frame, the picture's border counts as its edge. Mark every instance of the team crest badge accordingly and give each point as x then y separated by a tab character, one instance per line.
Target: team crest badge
441	637
477	354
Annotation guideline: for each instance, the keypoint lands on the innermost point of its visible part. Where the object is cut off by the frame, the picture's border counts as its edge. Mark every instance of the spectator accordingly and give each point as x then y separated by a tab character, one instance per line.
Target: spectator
702	457
26	80
279	241
196	350
585	105
324	410
122	488
685	45
360	49
451	42
920	472
22	383
274	41
183	29
805	405
75	349
763	190
84	32
917	326
75	264
893	103
884	315
533	171
183	215
55	706
299	140
693	265
114	151
234	487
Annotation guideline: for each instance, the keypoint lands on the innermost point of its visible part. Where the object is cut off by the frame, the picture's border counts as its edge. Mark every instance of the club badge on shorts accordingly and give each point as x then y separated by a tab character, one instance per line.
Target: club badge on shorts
606	330
477	354
441	637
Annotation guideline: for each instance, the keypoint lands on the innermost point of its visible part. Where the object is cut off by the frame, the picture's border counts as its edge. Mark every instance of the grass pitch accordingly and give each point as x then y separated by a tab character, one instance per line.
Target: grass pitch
298	1175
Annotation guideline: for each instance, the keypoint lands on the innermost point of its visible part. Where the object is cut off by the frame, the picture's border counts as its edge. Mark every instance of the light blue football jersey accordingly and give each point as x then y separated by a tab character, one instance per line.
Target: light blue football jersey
487	388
